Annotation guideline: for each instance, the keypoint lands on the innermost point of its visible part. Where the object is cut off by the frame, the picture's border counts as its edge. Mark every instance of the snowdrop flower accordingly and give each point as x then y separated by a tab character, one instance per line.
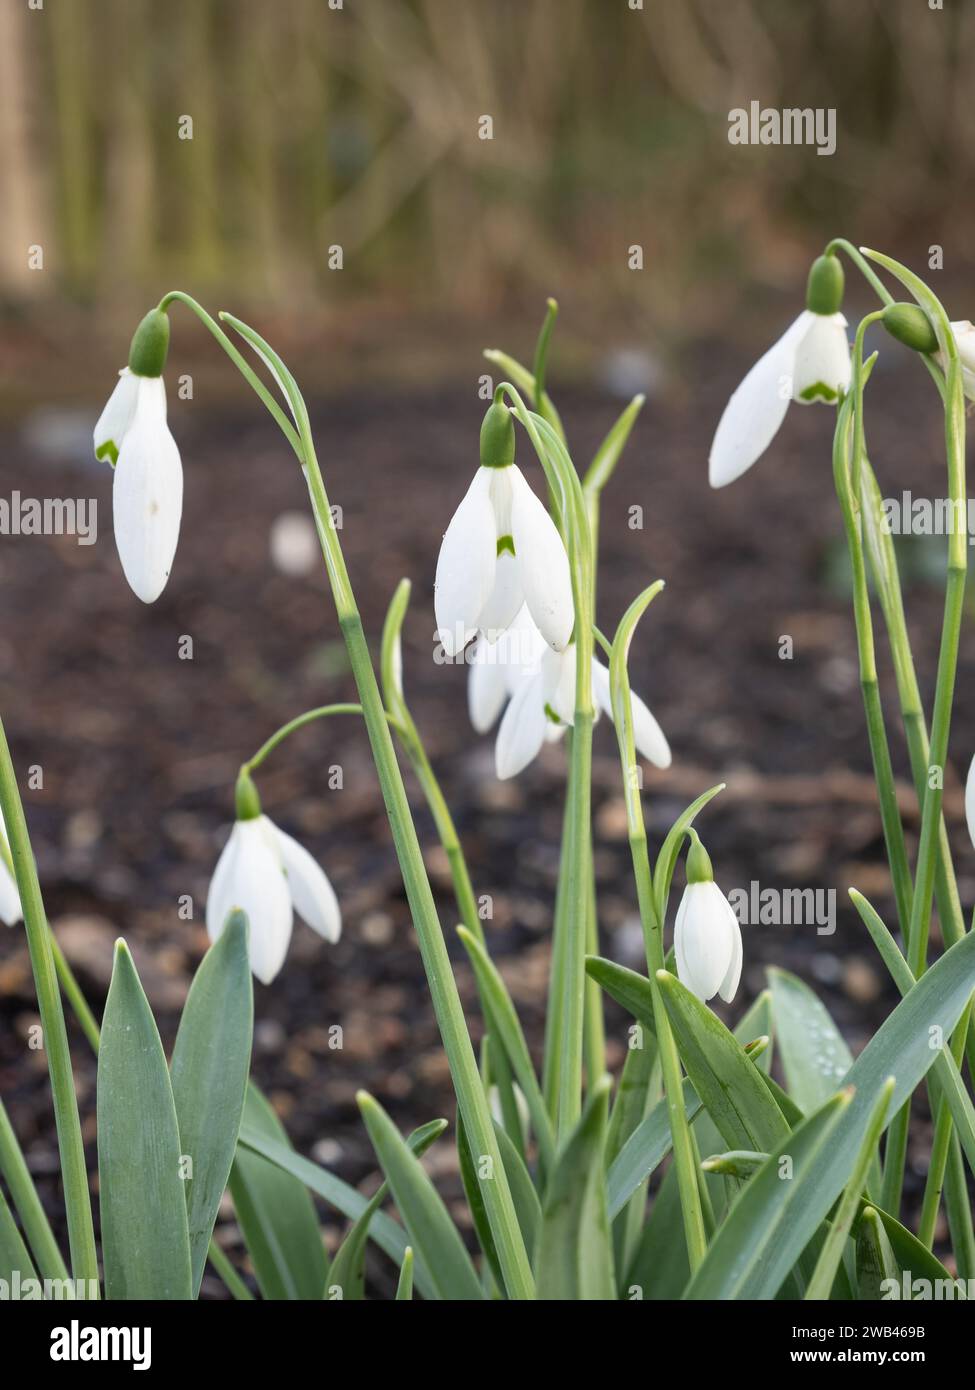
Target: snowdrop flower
810	362
268	875
970	800
707	937
909	324
538	687
10	908
147	493
501	550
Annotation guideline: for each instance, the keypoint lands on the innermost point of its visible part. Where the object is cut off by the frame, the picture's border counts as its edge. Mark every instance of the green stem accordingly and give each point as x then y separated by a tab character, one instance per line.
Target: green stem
299	722
475	1112
23	1194
77	1199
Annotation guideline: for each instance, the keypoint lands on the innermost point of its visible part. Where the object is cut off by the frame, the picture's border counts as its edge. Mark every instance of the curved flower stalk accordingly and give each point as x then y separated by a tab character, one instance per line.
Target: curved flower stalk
269	876
538	687
707	935
147	491
810	362
501	551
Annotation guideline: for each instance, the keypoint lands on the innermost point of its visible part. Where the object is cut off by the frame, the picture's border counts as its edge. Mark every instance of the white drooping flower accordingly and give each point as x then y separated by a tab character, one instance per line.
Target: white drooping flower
10	908
538	686
147	492
810	362
269	876
707	936
501	550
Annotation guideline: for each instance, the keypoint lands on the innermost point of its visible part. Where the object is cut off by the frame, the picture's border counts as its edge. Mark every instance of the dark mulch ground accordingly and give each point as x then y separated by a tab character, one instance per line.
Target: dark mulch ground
139	747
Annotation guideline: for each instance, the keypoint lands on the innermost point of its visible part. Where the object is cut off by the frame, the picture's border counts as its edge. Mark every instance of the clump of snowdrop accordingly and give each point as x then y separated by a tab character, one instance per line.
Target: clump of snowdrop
269	876
810	362
707	936
538	687
147	492
500	551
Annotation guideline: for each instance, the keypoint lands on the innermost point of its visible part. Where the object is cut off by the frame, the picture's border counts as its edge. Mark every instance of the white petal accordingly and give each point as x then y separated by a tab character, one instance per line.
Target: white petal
313	896
147	495
970	800
559	682
822	367
729	985
756	409
542	563
703	942
466	565
522	731
487	686
506	598
10	909
116	419
250	876
963	331
647	734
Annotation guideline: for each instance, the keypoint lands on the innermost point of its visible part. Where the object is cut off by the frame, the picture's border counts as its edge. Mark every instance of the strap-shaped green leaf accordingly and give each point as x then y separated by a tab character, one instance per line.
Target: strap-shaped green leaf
404	1289
209	1067
728	1083
575	1253
145	1242
383	1231
15	1261
275	1213
902	1047
770	1222
432	1233
347	1277
628	987
875	1261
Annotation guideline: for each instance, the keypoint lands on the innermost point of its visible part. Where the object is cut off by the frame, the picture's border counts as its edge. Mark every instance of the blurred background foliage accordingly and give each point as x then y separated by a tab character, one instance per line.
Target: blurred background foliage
357	127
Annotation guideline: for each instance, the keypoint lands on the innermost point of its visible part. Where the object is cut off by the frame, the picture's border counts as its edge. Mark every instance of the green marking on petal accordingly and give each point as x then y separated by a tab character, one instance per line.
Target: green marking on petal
109	451
551	716
819	391
506	543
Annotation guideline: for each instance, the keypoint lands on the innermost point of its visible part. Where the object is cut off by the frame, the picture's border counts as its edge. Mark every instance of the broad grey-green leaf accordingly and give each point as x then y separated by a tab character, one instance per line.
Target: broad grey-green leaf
814	1056
574	1260
209	1067
727	1081
145	1242
275	1213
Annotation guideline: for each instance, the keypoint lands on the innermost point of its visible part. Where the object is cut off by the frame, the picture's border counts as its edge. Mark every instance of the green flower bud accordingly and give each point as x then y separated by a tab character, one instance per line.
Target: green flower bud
497	437
910	325
150	344
698	865
824	289
248	803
